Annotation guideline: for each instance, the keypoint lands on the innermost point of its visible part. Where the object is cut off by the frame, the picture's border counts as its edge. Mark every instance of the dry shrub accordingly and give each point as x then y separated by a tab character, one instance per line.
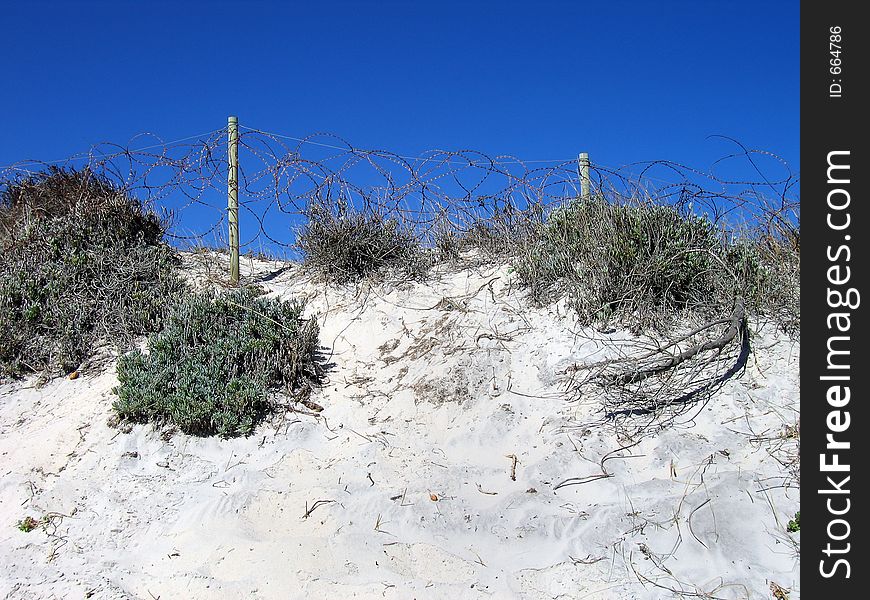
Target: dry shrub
344	245
82	264
496	237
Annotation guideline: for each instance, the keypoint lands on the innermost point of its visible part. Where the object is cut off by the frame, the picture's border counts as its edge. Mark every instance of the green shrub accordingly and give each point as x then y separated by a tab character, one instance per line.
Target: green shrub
212	367
643	263
779	288
82	263
766	274
794	525
348	245
744	272
622	259
28	524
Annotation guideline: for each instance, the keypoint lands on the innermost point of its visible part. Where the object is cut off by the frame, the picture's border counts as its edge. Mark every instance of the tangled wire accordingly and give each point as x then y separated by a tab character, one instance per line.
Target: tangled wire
283	179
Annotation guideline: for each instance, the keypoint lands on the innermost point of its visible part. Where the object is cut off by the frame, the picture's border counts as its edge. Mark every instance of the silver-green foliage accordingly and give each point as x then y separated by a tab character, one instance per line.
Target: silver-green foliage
82	264
639	261
213	366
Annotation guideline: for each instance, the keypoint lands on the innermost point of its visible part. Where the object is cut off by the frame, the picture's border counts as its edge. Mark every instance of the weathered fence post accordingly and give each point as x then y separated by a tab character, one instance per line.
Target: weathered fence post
583	168
233	197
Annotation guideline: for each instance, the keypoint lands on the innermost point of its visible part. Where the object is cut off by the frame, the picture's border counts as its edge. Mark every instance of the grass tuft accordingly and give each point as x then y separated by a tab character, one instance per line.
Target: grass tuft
345	245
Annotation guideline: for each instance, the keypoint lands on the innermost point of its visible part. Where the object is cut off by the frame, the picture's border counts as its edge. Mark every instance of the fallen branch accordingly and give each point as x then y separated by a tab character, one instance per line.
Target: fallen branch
735	325
689	521
666	381
308	511
493	336
581	480
513	458
480	489
589	560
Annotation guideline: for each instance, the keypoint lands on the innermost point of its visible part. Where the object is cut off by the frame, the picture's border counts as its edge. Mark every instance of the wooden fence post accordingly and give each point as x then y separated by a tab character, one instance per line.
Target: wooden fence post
583	168
233	197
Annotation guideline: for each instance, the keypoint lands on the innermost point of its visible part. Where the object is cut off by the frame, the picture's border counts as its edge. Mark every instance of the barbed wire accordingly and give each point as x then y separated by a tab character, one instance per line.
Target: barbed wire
282	178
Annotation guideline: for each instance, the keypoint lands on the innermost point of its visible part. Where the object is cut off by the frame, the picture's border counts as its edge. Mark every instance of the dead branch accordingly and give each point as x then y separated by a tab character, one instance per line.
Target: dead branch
735	324
514	459
308	511
666	381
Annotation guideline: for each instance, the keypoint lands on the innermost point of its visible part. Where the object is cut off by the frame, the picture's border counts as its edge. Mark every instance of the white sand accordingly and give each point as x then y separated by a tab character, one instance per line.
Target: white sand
421	402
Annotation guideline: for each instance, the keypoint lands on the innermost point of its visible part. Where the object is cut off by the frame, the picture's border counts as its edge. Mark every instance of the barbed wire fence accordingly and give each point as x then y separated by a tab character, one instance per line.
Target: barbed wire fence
281	178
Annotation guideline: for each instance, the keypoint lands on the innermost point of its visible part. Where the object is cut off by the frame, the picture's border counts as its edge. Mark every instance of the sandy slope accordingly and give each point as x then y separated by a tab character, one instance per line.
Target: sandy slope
430	388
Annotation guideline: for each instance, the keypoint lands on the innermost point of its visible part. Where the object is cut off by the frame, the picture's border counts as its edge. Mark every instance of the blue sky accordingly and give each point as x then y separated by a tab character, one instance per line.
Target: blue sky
626	81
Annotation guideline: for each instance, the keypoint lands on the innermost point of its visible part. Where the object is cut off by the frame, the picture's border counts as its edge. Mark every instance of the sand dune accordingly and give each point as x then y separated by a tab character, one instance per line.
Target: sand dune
402	487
